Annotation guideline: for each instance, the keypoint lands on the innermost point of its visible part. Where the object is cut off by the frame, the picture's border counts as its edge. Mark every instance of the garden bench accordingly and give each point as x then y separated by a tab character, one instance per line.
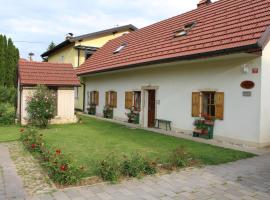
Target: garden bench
167	122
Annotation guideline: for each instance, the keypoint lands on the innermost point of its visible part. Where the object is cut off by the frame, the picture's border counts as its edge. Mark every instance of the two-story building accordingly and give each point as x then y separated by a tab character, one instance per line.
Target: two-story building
75	50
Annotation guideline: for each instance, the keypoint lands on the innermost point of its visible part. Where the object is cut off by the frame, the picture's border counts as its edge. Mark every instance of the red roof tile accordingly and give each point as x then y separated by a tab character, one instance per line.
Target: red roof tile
222	25
50	74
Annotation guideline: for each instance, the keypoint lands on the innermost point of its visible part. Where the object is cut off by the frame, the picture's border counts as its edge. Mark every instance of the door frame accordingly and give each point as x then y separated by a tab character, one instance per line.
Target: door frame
144	110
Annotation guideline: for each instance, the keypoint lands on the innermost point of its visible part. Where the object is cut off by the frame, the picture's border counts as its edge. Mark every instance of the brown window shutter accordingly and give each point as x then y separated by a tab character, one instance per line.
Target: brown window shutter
128	100
219	102
114	104
91	98
107	99
196	111
97	98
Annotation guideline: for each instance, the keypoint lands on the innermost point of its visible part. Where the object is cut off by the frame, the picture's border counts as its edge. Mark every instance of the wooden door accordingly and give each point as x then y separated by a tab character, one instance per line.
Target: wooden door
151	107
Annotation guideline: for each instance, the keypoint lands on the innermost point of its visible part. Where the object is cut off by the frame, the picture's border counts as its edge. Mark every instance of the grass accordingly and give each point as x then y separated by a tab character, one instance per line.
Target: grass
9	133
93	140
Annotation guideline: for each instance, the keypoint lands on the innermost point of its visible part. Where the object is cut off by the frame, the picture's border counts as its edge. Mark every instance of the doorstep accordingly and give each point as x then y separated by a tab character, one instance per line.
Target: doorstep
188	136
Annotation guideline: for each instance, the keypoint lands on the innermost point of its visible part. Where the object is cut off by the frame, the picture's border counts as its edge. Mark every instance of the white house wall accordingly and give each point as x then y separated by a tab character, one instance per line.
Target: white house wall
65	105
265	99
176	82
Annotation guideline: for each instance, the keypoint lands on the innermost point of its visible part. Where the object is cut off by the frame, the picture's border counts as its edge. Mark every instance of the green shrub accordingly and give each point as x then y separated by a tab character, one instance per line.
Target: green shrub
179	158
109	169
7	114
8	95
150	167
59	166
41	106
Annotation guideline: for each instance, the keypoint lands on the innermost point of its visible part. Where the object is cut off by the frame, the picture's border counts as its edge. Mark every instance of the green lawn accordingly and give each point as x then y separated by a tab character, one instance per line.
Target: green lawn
9	133
95	139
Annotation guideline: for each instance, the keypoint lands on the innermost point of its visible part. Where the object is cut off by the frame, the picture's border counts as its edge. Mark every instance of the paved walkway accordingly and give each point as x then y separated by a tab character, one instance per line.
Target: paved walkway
245	179
11	186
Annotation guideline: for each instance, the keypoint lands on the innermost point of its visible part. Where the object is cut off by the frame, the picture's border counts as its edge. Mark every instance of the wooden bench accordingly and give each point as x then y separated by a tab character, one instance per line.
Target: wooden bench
167	122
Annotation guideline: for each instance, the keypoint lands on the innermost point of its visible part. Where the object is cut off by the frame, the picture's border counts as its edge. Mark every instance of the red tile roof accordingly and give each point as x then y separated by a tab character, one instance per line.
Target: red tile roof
225	25
50	74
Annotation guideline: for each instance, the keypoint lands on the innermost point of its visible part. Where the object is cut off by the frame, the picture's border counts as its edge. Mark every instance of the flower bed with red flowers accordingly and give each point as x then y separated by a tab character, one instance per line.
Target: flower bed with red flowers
59	166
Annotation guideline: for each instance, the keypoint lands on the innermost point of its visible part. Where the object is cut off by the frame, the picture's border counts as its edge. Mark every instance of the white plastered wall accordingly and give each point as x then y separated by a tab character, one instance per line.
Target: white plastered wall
265	96
177	81
65	106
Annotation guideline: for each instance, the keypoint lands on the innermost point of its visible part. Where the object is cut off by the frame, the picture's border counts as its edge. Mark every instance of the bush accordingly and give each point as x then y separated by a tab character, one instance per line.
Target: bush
60	168
109	169
7	95
7	114
41	107
136	166
179	158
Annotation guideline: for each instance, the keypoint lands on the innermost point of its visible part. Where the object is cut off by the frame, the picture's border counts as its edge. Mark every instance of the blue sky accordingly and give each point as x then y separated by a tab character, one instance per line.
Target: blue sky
33	24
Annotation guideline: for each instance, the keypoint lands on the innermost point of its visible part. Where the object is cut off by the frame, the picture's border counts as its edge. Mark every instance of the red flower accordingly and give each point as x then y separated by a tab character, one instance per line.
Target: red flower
33	146
58	151
22	130
63	168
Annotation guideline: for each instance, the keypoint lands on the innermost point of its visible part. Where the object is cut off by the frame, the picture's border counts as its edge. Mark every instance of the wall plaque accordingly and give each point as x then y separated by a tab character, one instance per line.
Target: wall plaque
248	85
247	94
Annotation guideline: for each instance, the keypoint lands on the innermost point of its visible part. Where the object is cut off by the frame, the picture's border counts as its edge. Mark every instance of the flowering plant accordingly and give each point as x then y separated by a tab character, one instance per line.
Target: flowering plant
41	106
59	166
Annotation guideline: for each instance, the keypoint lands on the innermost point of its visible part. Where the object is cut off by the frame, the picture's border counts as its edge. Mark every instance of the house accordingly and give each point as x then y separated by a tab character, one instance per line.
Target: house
75	50
59	77
213	60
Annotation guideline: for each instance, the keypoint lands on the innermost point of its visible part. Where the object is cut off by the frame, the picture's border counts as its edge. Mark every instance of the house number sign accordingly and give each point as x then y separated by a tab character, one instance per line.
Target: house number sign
248	85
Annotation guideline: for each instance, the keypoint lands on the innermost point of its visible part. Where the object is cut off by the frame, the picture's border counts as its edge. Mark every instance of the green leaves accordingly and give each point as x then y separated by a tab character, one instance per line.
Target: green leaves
9	56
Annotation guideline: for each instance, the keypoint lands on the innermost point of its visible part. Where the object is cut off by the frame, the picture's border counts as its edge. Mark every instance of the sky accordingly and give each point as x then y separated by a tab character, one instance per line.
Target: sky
33	24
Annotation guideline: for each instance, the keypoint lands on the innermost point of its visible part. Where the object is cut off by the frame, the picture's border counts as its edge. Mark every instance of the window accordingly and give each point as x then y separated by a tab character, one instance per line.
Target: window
88	54
133	99
208	103
62	59
76	92
111	99
184	31
120	48
137	100
94	98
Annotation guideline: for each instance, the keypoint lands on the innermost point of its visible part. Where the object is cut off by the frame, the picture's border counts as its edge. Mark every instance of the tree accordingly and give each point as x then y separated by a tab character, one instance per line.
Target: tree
51	46
9	56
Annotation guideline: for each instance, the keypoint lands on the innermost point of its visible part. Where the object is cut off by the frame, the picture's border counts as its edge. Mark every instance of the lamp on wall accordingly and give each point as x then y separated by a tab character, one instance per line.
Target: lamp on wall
245	69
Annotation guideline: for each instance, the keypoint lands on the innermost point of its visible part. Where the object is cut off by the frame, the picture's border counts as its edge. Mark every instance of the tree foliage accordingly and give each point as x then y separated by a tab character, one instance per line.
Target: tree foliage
51	46
9	56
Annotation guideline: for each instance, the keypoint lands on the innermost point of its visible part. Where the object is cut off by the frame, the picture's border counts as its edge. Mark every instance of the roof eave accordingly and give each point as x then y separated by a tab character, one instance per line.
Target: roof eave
265	38
248	48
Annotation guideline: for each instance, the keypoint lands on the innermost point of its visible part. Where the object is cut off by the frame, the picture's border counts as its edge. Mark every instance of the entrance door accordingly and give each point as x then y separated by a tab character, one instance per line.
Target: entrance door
151	107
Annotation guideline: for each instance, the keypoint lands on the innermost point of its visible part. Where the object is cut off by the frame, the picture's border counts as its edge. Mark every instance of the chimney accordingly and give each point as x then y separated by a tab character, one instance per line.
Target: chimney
203	3
69	36
31	56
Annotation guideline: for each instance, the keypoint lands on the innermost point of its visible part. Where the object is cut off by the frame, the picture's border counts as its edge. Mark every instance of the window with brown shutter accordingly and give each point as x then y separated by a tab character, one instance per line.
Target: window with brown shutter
208	103
128	100
219	103
113	99
107	98
94	98
196	110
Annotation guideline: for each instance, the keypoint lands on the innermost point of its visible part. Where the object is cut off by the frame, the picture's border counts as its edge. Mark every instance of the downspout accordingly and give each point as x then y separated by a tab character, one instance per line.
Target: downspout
83	97
78	57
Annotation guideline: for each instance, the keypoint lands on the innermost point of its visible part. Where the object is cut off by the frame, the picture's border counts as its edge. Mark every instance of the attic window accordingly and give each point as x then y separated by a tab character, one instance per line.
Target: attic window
184	31
120	48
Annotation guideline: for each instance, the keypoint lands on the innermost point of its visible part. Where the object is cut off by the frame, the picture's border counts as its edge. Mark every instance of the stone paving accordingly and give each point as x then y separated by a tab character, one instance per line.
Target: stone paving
245	179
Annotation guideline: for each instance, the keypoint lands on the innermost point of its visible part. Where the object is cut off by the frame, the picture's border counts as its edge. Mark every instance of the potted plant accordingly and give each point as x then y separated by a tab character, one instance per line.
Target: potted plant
133	116
92	109
108	112
204	127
